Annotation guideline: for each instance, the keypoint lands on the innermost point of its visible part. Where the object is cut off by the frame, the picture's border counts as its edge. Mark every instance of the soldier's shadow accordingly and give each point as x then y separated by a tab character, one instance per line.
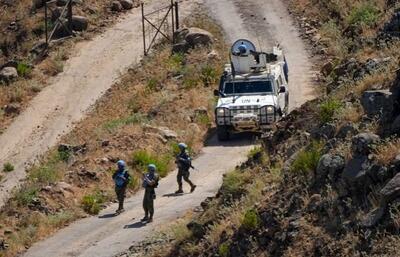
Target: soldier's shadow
174	195
138	224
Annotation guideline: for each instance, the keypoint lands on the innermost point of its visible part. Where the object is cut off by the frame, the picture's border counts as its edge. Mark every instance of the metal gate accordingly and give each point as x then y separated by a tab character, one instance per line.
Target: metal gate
162	22
61	21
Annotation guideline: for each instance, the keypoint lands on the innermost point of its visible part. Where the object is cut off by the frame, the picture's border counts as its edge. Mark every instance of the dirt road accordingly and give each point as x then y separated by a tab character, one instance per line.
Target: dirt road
106	235
87	75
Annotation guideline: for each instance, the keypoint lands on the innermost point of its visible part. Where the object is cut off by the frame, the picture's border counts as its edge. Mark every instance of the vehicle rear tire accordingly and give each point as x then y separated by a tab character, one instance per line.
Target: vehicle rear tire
222	133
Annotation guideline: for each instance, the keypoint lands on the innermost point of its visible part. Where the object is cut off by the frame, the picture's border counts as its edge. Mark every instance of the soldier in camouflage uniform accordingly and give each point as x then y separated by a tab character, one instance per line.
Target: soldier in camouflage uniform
184	163
150	182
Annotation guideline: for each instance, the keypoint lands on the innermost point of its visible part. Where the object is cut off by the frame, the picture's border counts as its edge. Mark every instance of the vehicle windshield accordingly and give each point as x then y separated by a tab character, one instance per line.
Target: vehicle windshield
248	87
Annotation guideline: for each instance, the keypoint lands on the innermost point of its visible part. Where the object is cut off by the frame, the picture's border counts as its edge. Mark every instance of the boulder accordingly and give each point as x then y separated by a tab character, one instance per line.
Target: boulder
395	127
13	108
187	38
372	218
378	103
363	142
329	165
327	68
346	130
393	26
116	6
8	74
126	4
196	37
314	202
356	171
391	190
79	23
163	131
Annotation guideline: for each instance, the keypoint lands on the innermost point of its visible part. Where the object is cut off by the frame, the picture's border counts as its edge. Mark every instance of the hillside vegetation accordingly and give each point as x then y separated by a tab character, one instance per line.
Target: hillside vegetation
326	183
164	100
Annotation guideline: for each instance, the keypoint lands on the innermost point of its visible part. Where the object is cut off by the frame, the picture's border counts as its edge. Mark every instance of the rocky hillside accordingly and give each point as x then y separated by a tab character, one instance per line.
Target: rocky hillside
25	63
327	182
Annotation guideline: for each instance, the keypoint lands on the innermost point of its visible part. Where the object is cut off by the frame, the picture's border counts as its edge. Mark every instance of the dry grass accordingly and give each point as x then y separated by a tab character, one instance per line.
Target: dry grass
119	118
385	153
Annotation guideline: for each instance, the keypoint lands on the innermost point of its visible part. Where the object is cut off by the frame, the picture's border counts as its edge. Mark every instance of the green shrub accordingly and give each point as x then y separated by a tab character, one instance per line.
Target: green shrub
307	159
91	203
328	109
23	69
26	195
234	182
8	167
251	220
203	119
175	61
142	158
61	218
64	155
152	84
46	173
365	14
208	75
132	119
223	250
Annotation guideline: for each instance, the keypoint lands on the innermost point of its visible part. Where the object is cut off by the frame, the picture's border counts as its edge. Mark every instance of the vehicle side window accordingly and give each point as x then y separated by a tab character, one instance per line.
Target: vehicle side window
277	86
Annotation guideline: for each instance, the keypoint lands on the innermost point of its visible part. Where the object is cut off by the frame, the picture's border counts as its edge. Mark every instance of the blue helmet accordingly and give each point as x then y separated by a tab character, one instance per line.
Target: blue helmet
242	49
182	146
121	164
152	167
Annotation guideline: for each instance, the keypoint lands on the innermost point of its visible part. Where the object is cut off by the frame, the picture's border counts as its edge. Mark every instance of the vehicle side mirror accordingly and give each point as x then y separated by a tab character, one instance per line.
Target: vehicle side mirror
216	92
282	89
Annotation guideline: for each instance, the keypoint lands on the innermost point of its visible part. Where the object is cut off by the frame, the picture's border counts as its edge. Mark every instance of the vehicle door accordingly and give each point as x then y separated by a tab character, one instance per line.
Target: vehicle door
281	89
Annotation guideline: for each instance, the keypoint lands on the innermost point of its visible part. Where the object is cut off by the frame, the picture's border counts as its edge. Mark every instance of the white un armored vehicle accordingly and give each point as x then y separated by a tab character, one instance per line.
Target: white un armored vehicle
253	92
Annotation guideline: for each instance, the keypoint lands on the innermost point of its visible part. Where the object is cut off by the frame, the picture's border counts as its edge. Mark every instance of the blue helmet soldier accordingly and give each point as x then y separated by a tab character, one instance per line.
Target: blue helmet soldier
121	179
184	163
150	182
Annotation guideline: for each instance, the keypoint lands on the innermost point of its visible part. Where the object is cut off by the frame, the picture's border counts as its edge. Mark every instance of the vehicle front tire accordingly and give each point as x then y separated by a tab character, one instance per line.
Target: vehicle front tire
222	133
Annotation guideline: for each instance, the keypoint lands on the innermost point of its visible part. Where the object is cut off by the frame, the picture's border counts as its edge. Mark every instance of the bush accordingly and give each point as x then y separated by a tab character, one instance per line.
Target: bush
26	195
23	69
175	61
223	250
307	160
8	167
117	123
91	203
142	158
208	75
328	109
152	84
234	182
251	220
46	173
365	14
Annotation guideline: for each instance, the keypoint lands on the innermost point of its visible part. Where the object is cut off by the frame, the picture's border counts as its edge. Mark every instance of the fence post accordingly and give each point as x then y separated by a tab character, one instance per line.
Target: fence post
45	23
177	15
173	20
144	31
70	16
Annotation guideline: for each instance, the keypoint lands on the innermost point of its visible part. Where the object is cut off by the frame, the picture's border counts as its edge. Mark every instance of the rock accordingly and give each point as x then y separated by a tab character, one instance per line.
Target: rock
314	202
363	142
89	174
326	131
346	130
198	231
187	38
393	26
196	37
372	218
13	108
126	4
356	172
105	143
64	186
194	129
163	131
329	165
327	68
39	3
8	74
79	23
213	55
3	245
391	190
201	111
72	148
378	103
395	127
116	6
